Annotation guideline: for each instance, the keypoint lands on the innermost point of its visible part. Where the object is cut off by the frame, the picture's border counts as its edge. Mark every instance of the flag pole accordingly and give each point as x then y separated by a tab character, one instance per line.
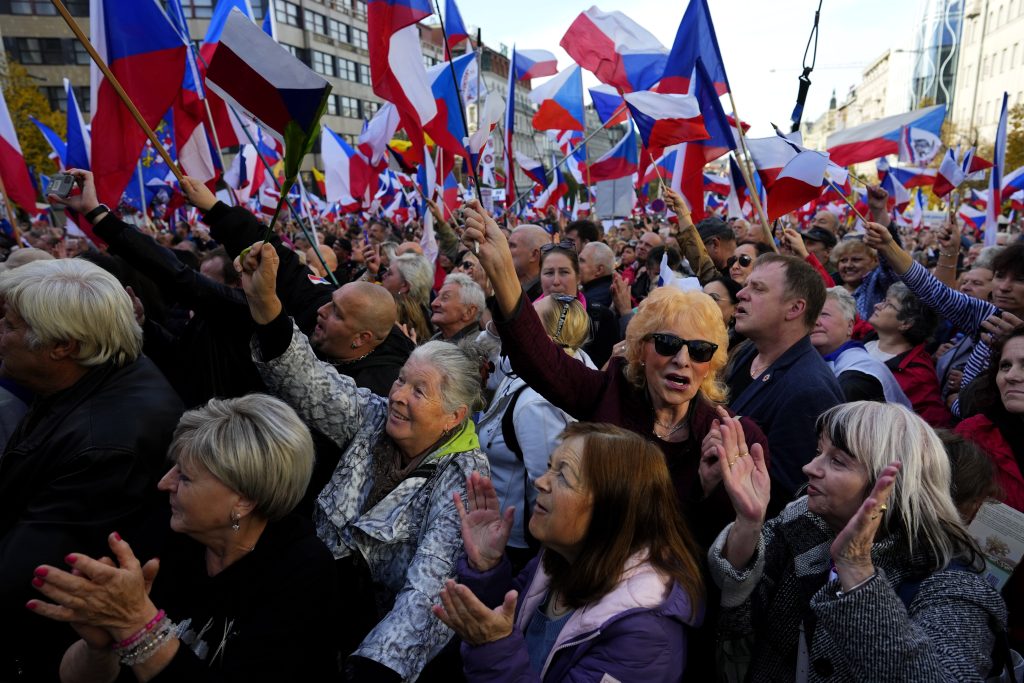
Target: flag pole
748	175
73	25
846	199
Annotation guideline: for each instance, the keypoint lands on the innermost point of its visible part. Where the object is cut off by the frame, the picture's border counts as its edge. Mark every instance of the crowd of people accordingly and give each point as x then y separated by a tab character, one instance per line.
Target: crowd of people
522	457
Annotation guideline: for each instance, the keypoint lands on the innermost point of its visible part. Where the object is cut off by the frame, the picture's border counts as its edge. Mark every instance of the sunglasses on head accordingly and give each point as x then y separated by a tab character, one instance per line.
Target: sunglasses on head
669	344
565	300
567	245
744	260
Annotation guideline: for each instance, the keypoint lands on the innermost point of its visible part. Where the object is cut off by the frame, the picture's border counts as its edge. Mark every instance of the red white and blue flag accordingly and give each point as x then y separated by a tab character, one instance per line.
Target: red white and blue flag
527	64
666	119
229	129
79	140
975	218
914	177
453	25
877	138
717	183
532	168
137	40
13	170
918	146
560	101
396	64
995	179
609	105
1013	183
695	39
621	161
346	172
448	127
553	192
616	49
53	139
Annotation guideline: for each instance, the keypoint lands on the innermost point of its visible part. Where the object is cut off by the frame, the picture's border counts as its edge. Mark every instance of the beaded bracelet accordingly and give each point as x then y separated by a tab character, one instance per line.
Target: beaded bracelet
148	644
127	642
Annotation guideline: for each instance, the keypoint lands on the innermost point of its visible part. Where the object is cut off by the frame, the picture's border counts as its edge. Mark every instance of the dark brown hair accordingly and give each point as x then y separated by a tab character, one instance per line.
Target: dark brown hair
635	508
802	282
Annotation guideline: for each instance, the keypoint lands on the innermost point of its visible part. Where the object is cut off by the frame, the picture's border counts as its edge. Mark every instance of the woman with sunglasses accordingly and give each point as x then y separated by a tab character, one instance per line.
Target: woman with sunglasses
740	264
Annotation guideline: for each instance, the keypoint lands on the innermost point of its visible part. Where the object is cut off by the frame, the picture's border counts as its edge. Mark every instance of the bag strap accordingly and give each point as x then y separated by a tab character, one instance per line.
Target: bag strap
508	427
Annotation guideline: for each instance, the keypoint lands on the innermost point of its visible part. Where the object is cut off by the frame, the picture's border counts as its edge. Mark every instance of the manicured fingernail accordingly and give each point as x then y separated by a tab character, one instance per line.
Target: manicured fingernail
31	604
70	559
117	536
41	571
37	582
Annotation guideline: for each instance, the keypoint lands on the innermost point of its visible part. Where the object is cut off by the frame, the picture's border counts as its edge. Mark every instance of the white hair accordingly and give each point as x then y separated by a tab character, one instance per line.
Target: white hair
417	272
601	255
459	368
72	299
470	293
845	300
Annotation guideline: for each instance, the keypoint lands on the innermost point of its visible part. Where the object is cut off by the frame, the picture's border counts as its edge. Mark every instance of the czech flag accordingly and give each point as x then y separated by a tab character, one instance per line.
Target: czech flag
346	173
79	147
662	168
533	168
877	138
973	217
898	194
228	127
797	183
146	54
717	184
13	170
450	194
453	25
448	128
553	192
914	177
695	39
666	119
616	49
527	64
995	179
621	161
608	104
560	101
59	147
1013	182
949	175
396	64
262	79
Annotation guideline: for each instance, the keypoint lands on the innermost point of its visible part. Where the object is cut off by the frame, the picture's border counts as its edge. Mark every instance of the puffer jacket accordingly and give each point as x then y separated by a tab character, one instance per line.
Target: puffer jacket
411	539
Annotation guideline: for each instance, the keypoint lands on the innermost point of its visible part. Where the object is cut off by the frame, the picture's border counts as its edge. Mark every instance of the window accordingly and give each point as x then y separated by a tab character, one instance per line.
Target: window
257	9
81	57
297	52
350	107
197	9
37	50
323	63
359	37
1002	62
348	70
332	105
1013	55
338	30
316	22
32	7
359	8
370	108
287	13
364	74
58	99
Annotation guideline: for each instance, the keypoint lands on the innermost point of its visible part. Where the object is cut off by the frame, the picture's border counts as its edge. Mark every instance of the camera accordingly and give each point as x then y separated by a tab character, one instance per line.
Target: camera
61	184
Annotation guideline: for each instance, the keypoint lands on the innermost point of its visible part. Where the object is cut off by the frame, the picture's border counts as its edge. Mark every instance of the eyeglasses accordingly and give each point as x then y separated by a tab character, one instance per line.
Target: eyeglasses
467	265
567	245
669	345
566	302
382	272
743	259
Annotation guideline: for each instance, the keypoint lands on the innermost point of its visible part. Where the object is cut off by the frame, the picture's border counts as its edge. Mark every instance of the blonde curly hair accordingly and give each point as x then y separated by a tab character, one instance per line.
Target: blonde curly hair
667	308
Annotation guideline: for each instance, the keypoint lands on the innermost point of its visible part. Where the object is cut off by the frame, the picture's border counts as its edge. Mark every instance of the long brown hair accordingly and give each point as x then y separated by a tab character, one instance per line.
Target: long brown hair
635	508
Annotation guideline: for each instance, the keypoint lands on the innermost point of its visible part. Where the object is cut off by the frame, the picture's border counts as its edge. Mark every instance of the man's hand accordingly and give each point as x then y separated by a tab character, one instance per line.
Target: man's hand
878	202
198	194
84	201
258	268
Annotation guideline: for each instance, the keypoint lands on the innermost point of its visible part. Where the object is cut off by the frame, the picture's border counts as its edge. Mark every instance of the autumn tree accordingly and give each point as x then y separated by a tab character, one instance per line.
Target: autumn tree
24	99
1015	138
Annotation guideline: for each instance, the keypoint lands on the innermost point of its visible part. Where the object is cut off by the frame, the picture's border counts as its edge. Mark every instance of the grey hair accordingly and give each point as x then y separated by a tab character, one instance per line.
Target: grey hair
922	318
602	255
986	256
417	272
459	367
73	299
256	445
470	293
921	504
845	300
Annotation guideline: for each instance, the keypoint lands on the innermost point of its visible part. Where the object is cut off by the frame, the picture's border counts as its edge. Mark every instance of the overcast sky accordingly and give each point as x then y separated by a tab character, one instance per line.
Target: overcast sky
762	41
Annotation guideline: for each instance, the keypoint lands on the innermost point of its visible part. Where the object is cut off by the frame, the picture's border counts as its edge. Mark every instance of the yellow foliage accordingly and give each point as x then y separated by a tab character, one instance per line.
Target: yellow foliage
24	99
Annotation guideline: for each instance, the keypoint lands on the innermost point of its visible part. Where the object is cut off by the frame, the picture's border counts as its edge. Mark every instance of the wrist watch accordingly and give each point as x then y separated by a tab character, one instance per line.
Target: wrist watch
95	213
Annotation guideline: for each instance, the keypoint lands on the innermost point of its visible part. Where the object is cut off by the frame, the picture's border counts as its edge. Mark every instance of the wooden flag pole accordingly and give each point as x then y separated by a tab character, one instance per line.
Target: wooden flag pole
845	199
73	25
747	173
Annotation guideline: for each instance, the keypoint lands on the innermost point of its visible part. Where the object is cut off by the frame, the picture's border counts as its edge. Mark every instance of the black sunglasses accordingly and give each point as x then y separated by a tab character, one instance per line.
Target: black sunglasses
567	245
744	260
669	344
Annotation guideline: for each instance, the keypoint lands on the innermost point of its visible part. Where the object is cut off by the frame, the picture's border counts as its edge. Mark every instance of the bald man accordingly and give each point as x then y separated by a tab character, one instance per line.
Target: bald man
827	220
356	333
525	243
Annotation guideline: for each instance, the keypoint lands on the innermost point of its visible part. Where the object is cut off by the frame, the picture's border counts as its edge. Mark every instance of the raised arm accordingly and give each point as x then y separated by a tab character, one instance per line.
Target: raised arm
690	243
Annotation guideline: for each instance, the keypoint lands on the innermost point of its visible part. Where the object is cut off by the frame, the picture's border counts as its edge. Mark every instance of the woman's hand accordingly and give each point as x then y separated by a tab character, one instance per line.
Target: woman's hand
484	530
851	551
675	202
371	257
83	202
621	299
471	619
743	471
198	194
795	242
494	254
877	236
257	266
98	594
96	637
710	468
949	237
998	326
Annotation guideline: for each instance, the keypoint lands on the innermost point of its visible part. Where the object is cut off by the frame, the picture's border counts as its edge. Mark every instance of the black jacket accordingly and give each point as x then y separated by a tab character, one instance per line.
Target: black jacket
599	291
81	464
379	370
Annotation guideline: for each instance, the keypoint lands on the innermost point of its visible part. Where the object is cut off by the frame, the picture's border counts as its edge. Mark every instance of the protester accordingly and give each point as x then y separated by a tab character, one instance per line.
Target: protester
525	243
581	233
641	284
861	376
719	241
780	381
739	265
616	590
240	467
876	541
403	458
521	428
723	291
86	457
597	265
820	242
457	309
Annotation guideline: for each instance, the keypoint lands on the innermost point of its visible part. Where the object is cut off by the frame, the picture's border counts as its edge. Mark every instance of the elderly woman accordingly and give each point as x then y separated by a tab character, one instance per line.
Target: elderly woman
387	513
457	309
616	588
521	428
666	386
903	325
409	278
871	575
862	377
231	602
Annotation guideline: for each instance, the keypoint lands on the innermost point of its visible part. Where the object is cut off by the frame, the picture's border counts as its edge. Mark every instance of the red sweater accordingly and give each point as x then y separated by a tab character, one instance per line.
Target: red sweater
983	432
915	373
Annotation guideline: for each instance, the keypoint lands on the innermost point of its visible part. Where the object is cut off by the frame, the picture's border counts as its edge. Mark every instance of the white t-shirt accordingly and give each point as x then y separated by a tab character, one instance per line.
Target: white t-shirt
872	348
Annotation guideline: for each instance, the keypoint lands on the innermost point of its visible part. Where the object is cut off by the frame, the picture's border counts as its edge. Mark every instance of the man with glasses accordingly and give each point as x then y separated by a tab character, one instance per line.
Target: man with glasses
781	381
